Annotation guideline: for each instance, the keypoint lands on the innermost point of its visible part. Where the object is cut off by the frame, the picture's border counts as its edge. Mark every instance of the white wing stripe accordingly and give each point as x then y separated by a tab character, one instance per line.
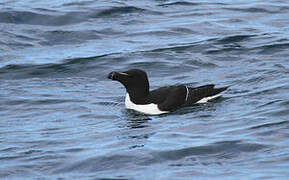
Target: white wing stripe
187	95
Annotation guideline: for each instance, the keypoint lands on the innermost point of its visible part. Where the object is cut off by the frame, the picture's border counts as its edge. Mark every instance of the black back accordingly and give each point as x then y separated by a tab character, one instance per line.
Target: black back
168	98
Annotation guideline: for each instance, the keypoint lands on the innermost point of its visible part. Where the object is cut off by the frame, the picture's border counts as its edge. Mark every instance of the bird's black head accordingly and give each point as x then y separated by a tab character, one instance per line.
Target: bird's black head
135	81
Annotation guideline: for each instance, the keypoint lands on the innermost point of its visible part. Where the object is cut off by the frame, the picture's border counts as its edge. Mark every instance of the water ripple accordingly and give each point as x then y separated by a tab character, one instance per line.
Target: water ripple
61	118
32	18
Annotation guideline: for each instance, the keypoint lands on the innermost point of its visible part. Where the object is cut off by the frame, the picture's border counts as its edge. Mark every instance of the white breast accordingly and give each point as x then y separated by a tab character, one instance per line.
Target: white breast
151	109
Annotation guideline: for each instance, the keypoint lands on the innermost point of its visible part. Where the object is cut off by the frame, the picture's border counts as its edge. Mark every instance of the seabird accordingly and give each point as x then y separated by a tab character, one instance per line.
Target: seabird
161	100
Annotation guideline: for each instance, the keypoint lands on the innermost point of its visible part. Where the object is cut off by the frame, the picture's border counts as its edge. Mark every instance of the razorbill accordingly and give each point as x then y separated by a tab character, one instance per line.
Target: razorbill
161	100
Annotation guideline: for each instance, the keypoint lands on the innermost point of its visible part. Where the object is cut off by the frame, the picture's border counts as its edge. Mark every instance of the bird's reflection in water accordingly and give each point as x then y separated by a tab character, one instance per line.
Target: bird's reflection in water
136	120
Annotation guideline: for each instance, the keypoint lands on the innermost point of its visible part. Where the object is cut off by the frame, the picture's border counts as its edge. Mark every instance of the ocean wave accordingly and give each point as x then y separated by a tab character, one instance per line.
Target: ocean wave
45	17
32	18
269	9
225	150
180	3
272	124
118	11
67	37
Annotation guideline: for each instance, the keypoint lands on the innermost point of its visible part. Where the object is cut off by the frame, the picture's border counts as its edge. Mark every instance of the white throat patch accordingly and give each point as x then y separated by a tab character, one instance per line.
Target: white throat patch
151	109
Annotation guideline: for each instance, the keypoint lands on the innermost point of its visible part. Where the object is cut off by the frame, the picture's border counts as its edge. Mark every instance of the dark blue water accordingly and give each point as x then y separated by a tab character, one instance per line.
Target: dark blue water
60	117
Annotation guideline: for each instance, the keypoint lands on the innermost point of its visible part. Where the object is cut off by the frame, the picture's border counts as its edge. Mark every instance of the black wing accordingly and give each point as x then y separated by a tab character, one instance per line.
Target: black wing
198	93
168	98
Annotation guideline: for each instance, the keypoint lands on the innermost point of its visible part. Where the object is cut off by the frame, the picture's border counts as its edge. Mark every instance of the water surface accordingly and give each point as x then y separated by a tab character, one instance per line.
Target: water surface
60	117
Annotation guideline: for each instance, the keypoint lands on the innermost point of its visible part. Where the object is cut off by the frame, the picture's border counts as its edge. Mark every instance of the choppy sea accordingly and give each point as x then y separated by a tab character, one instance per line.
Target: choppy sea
61	118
